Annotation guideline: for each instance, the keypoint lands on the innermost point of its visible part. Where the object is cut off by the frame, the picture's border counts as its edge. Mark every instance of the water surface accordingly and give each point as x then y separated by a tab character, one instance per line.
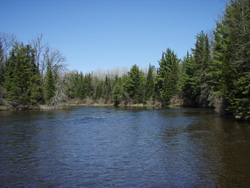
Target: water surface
123	147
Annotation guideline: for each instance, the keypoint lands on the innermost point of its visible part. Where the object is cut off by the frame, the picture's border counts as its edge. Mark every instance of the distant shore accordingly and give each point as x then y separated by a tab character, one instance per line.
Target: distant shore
67	105
30	107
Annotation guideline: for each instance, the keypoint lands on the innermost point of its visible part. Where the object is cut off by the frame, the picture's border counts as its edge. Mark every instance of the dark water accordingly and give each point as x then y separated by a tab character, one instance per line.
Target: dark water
119	147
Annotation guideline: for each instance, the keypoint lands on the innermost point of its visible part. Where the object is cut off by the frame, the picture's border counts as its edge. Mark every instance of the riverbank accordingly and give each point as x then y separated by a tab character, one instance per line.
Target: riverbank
30	107
111	105
67	105
80	104
2	108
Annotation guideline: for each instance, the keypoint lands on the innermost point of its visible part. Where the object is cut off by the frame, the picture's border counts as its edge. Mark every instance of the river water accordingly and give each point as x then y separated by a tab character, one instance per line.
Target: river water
123	147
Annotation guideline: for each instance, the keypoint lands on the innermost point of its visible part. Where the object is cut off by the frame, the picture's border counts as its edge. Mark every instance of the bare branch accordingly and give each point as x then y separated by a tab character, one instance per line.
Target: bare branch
7	41
39	45
54	58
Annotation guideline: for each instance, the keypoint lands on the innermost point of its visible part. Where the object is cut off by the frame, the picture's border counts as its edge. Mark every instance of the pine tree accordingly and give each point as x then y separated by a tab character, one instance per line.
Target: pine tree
107	88
188	82
80	90
50	84
99	90
20	69
117	94
2	74
1	64
135	84
232	54
168	76
35	90
150	85
202	58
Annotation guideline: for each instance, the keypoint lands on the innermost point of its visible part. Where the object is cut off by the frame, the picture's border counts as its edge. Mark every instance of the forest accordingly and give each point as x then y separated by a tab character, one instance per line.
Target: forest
214	74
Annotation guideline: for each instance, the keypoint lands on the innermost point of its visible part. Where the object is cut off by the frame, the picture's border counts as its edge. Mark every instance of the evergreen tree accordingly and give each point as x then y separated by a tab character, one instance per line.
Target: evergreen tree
134	84
202	58
219	54
99	89
232	54
107	88
35	90
73	79
188	82
20	70
150	85
1	64
50	84
117	94
80	92
168	76
2	90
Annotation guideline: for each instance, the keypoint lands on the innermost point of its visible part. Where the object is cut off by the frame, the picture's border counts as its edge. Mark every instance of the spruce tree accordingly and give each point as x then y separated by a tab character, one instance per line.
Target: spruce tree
107	88
20	69
35	90
1	64
80	92
188	82
202	62
168	76
50	84
232	54
87	86
2	74
150	85
98	91
117	94
135	84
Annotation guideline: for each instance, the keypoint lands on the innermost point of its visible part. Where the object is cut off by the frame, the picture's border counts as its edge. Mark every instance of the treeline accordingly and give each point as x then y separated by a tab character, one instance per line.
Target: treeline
30	74
214	74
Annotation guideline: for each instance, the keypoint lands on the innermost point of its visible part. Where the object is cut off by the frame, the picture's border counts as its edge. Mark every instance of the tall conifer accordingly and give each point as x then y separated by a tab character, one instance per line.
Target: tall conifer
50	84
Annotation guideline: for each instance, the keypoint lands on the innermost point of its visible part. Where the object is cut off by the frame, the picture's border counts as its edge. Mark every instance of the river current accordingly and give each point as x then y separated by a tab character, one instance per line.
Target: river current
123	147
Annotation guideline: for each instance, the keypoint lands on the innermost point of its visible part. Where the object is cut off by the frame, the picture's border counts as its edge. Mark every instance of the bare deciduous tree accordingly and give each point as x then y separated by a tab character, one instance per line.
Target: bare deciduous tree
39	45
61	86
55	58
7	41
45	54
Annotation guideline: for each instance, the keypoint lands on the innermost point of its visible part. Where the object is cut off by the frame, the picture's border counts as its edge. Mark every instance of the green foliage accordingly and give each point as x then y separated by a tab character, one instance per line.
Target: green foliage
99	89
35	90
1	64
117	94
107	88
87	85
217	69
50	84
188	82
150	84
79	87
22	80
231	58
202	59
135	85
168	76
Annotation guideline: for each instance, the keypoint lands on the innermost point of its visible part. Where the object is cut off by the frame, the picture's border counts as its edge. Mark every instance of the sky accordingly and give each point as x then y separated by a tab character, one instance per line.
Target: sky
105	34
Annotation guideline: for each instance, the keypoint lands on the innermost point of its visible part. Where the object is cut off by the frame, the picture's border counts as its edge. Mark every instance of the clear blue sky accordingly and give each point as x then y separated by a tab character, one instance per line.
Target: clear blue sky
109	33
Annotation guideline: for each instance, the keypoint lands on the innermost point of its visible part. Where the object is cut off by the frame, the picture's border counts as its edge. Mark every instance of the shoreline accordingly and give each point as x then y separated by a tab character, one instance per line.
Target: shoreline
110	105
32	108
68	105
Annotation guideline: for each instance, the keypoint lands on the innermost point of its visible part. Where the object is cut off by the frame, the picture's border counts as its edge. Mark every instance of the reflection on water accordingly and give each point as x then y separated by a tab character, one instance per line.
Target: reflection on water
123	147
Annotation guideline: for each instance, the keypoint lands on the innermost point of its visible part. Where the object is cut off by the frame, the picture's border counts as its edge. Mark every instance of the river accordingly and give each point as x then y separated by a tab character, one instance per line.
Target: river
123	147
